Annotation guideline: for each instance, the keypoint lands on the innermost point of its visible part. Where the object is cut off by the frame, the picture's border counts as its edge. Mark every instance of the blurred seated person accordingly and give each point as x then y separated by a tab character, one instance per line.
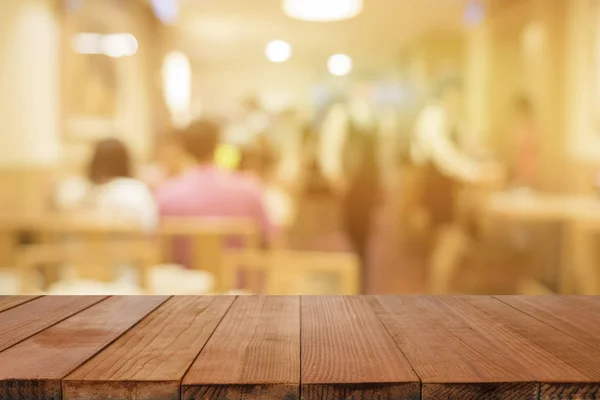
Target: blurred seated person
257	164
435	147
172	159
208	191
526	142
109	191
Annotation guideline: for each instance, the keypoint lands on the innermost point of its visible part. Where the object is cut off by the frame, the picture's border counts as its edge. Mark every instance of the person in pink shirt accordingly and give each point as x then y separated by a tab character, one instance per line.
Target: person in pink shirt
208	191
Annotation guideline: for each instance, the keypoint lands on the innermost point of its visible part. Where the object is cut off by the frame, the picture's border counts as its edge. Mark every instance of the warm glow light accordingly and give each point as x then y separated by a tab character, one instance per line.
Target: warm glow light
322	10
119	45
177	87
278	51
339	64
116	45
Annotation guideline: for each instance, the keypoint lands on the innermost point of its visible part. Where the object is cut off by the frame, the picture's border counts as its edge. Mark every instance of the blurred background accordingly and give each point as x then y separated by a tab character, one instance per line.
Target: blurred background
299	146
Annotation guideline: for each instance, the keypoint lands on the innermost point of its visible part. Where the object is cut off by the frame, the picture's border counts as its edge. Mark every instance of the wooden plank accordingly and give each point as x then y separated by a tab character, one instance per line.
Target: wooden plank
34	367
253	354
544	364
8	302
149	361
19	323
347	353
573	315
452	360
569	349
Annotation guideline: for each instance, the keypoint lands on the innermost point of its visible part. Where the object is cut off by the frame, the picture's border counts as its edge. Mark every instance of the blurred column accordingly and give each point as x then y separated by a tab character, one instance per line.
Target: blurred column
477	76
30	37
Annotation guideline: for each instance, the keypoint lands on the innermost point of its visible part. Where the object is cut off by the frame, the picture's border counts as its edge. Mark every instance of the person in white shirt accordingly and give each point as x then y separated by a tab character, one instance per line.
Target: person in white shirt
435	145
109	191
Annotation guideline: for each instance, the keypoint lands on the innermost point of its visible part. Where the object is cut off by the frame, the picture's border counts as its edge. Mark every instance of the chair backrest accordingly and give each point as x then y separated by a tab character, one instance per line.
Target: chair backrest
11	226
94	248
105	256
297	272
204	241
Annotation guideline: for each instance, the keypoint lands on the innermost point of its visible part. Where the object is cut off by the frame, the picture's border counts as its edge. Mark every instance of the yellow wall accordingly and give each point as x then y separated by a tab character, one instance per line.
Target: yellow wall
583	127
29	83
30	35
134	120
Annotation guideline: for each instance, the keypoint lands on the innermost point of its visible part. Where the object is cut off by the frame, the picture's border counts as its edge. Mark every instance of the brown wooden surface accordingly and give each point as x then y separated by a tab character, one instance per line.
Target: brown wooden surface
337	347
149	361
21	322
263	335
44	359
347	353
452	359
7	302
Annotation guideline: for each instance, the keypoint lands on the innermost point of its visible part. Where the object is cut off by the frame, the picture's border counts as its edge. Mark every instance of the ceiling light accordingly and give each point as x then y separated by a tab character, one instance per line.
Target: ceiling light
177	86
339	64
116	45
119	45
278	51
322	10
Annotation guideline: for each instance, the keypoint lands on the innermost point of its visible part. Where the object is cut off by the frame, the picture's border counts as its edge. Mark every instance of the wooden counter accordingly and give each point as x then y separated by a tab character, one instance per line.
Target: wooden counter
371	347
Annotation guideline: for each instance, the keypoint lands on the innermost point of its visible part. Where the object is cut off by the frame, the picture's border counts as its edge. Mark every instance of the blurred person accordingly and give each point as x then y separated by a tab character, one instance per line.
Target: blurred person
363	194
109	190
287	139
349	160
436	149
257	166
435	146
526	142
208	191
252	122
172	159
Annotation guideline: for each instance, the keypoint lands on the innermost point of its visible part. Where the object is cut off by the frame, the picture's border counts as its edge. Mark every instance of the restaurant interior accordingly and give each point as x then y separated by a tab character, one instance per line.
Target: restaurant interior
299	147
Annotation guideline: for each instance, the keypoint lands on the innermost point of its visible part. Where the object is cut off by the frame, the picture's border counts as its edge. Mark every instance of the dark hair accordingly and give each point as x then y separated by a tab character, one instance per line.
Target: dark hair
523	105
201	139
110	160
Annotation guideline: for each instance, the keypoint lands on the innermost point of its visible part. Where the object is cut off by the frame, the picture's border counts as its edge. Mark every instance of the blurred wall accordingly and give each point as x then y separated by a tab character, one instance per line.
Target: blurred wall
584	113
477	85
30	37
220	87
29	75
527	56
134	120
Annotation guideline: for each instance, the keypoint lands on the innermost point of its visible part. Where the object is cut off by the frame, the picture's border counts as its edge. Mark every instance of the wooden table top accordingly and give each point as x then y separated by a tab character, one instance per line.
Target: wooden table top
337	347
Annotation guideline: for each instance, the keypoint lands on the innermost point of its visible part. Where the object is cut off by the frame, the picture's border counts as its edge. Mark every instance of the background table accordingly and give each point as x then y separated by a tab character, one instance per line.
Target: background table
578	220
371	347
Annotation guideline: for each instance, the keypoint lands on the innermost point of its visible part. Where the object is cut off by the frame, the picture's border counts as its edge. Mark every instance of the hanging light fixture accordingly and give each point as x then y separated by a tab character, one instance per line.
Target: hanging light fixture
322	10
177	87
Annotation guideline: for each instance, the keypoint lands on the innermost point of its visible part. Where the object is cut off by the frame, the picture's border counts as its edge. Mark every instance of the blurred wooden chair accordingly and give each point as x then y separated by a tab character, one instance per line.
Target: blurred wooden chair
296	272
454	242
203	242
95	264
12	227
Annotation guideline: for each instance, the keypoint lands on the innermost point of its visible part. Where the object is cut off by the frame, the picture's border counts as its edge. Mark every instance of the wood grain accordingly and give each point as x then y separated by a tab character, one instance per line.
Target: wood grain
149	361
7	302
34	367
569	349
19	323
452	360
576	316
253	354
347	353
